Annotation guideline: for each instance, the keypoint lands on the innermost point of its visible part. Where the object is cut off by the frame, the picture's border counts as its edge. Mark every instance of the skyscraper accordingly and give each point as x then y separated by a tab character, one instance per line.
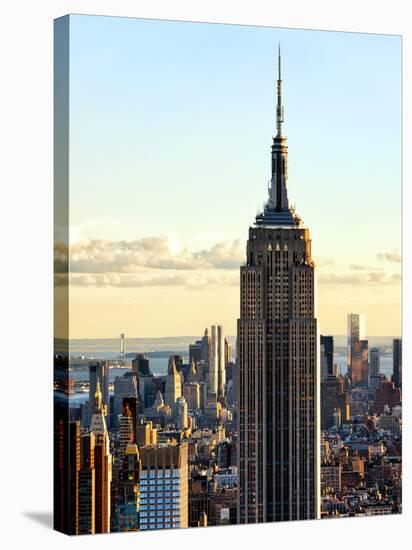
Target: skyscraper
173	388
87	483
102	465
141	365
195	351
327	343
206	347
333	397
228	353
66	474
277	347
397	362
323	363
127	431
124	386
221	370
356	329
128	491
99	370
213	361
191	392
375	368
192	374
164	472
359	367
358	364
181	413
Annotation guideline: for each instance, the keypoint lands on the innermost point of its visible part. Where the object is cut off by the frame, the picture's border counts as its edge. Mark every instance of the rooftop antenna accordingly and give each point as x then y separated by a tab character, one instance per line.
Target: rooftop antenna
279	107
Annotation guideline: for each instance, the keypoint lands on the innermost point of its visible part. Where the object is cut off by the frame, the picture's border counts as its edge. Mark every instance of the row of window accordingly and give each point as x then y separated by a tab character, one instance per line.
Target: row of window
159	502
166	513
158	473
165	518
160	481
151	494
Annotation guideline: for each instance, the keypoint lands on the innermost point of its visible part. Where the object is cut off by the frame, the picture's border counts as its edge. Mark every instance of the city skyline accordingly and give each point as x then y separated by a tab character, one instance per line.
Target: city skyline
280	424
344	93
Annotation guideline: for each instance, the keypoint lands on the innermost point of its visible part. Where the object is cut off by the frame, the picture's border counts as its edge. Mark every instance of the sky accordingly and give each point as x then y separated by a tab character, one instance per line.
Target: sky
171	125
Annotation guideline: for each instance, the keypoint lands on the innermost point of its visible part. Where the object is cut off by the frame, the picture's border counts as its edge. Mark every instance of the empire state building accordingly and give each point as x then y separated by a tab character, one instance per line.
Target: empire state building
278	373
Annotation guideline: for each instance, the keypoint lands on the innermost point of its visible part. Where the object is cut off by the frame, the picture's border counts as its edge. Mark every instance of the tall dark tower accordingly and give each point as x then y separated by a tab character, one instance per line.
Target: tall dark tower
278	376
397	362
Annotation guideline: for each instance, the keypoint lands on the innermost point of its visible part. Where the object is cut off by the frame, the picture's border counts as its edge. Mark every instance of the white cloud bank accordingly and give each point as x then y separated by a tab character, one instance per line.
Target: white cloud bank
165	261
150	261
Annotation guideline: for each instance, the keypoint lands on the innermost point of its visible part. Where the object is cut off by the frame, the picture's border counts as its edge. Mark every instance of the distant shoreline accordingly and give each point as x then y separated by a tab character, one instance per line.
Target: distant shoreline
175	344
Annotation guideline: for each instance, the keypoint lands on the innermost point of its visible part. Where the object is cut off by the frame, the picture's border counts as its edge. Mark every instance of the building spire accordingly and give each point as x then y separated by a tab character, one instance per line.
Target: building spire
279	63
277	211
279	107
98	396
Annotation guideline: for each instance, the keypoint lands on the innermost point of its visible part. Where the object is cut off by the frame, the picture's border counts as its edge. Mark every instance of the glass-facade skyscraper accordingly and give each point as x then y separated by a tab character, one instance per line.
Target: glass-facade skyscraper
163	486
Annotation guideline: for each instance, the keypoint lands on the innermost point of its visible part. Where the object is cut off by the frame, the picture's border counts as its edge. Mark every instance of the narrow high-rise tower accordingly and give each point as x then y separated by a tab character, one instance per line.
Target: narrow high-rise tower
214	362
278	366
173	388
358	364
99	370
102	464
221	361
397	362
375	368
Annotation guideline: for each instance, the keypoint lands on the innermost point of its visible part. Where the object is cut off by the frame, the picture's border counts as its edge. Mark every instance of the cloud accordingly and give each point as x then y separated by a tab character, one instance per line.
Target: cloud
372	278
393	256
165	261
150	261
165	253
223	255
190	280
361	267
